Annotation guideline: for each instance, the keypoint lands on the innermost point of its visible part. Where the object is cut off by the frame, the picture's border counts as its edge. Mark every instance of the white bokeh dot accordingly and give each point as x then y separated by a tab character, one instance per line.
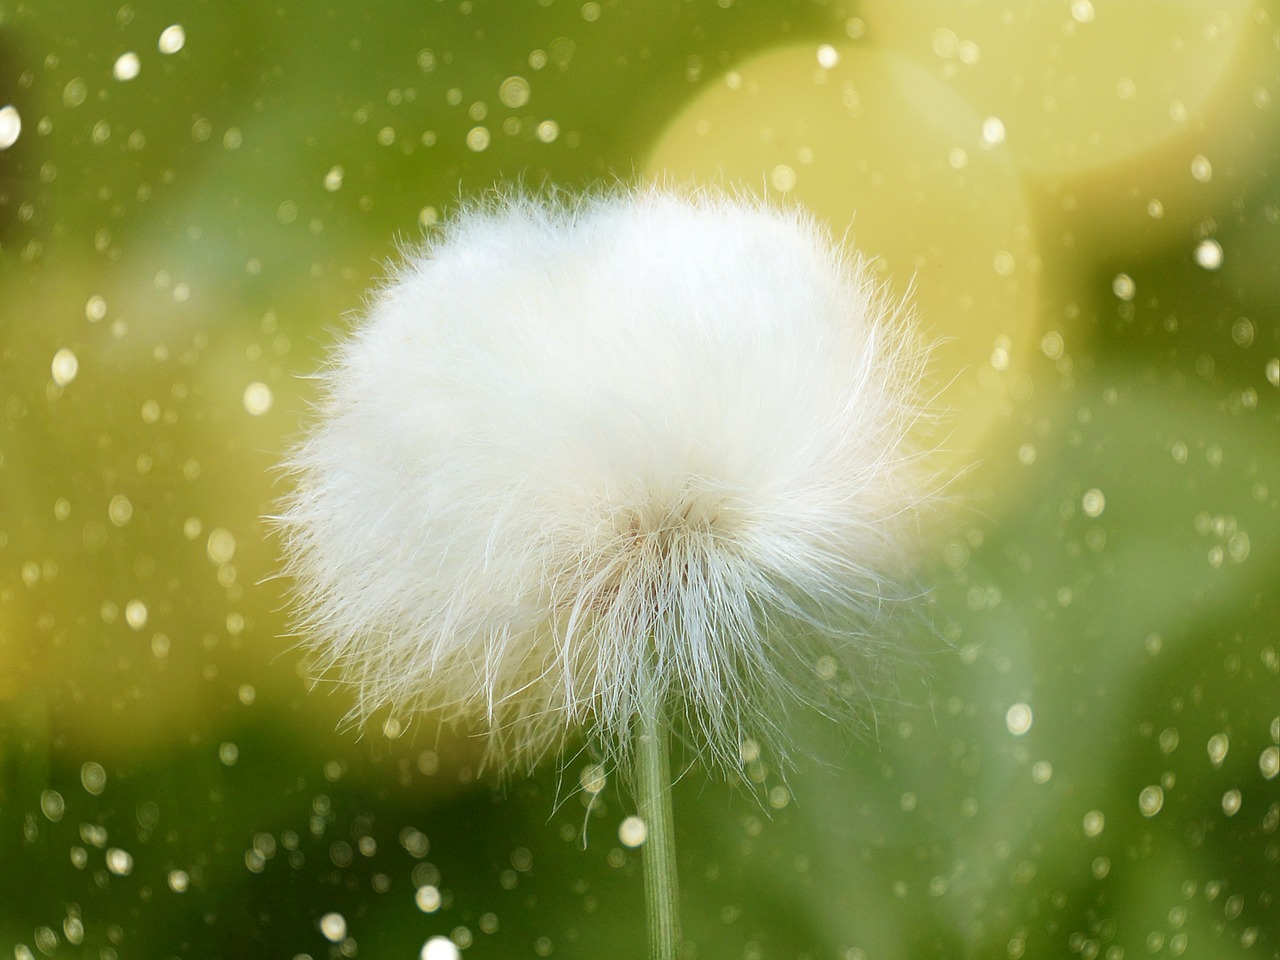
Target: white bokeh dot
257	398
1018	719
440	948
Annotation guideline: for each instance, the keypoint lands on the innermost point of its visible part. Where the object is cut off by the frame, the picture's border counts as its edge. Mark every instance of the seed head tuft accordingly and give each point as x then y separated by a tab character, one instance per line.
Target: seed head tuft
577	448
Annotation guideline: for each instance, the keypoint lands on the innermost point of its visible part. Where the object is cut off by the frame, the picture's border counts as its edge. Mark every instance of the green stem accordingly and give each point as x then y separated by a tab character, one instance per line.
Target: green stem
658	855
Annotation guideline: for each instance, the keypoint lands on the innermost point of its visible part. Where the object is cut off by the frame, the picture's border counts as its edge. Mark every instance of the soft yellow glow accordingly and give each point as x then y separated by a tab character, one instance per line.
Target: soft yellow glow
905	171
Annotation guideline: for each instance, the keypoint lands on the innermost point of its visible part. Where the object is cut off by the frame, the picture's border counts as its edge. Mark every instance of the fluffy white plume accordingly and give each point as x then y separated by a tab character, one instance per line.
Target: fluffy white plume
578	448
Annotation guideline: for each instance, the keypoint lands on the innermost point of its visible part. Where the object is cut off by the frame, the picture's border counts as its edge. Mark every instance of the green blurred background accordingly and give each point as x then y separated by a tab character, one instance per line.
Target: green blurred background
1080	196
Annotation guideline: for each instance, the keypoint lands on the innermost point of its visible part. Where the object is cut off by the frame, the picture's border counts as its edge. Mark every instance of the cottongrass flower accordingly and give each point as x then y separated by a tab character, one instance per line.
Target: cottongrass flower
597	467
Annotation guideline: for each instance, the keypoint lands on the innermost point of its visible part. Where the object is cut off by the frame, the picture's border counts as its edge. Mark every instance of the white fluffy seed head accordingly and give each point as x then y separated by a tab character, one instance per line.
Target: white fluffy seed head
577	447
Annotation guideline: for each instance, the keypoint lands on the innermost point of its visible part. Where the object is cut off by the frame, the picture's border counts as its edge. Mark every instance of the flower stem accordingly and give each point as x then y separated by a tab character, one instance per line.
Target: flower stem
658	855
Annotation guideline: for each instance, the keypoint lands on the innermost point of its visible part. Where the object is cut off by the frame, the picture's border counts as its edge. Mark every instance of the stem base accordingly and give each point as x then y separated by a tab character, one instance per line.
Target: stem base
658	855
